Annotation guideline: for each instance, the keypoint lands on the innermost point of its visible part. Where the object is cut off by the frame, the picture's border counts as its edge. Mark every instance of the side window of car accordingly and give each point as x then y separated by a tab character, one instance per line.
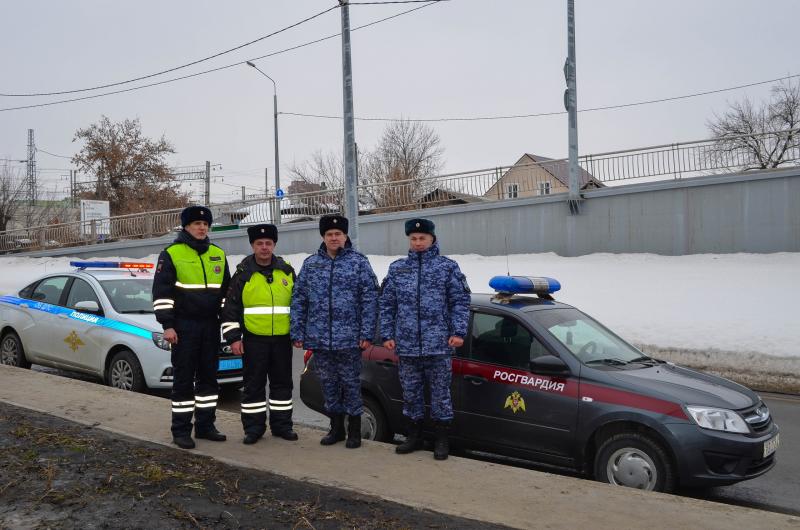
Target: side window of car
49	290
81	291
27	291
503	340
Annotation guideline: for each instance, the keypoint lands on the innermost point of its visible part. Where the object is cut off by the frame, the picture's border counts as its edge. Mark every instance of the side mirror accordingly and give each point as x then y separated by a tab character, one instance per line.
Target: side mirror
88	306
549	365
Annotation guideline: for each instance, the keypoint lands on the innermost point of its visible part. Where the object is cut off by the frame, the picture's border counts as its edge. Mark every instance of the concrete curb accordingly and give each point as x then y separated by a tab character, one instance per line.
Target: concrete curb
483	491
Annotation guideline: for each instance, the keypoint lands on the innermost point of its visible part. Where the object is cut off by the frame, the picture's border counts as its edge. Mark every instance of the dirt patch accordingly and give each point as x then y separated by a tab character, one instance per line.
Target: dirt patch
764	373
58	474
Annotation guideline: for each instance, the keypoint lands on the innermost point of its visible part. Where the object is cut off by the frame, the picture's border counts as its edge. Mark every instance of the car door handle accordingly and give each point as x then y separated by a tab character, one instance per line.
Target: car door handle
62	315
387	363
475	379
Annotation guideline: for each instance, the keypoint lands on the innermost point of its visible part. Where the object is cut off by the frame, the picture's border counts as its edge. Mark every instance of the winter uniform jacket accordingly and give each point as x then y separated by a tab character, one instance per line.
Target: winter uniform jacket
258	299
191	279
335	301
424	301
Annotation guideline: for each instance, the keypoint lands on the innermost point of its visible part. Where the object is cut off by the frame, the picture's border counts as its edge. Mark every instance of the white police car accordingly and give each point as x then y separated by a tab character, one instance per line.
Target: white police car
98	320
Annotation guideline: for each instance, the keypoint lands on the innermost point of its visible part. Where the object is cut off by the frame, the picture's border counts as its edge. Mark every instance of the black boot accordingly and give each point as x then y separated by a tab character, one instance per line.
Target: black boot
413	439
184	442
211	434
353	432
441	445
336	433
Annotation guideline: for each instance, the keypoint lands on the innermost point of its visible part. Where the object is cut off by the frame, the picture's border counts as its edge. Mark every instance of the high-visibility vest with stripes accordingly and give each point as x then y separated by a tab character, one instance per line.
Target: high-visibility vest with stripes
266	305
197	272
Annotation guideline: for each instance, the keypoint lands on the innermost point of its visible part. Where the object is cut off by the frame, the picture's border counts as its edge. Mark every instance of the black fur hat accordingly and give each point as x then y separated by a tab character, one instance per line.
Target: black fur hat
423	226
196	213
263	231
329	222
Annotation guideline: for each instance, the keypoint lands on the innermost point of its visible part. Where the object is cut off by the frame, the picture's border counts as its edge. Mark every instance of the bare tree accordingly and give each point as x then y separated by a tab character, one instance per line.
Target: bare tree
12	193
321	180
131	170
399	171
761	136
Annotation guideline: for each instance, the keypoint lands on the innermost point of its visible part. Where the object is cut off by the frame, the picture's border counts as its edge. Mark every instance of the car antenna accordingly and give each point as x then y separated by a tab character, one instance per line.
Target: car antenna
508	267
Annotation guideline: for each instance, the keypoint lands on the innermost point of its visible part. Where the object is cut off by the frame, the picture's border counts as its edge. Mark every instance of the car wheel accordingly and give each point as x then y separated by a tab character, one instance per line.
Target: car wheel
373	422
12	352
634	460
125	372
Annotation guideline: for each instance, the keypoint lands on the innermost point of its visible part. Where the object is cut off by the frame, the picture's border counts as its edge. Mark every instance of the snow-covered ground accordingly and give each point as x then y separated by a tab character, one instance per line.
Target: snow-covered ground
730	302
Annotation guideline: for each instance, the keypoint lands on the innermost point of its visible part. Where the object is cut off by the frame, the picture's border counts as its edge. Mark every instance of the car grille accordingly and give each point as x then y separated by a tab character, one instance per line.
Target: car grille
758	417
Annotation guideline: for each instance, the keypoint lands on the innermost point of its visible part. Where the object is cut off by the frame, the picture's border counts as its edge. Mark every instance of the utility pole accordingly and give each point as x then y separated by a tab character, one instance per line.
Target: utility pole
243	195
350	177
72	188
207	194
571	104
31	178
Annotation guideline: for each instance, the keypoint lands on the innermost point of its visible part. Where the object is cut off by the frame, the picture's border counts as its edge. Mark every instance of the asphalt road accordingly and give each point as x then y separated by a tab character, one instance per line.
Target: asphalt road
777	491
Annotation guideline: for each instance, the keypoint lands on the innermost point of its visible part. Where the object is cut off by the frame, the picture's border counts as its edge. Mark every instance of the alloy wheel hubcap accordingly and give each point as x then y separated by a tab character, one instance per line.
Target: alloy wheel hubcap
369	426
9	354
122	375
633	468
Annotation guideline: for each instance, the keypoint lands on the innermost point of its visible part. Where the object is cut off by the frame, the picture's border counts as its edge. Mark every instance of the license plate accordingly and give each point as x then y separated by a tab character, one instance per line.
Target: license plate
230	364
770	446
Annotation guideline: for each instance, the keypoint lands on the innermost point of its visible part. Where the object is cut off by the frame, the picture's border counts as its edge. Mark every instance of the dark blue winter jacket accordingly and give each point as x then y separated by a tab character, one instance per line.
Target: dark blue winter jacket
424	301
335	301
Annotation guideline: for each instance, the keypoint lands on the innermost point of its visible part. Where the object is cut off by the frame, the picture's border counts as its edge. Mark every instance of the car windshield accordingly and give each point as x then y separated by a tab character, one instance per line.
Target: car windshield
130	295
587	339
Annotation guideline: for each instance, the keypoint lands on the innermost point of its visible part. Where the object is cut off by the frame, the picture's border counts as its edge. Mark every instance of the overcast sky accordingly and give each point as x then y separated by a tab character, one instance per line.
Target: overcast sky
460	58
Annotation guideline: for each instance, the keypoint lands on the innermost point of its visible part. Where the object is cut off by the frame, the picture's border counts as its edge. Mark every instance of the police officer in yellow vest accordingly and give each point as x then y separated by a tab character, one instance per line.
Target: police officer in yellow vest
255	322
190	280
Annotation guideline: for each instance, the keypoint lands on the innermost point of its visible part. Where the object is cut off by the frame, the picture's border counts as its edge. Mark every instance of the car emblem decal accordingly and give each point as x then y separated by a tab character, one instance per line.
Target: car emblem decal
516	402
73	341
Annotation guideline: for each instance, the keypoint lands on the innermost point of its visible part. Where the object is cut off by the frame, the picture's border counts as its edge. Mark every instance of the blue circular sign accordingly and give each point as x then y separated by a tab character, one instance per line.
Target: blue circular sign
279	193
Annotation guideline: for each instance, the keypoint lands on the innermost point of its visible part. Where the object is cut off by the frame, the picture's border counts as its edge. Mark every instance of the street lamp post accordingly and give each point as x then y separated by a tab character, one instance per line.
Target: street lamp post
277	216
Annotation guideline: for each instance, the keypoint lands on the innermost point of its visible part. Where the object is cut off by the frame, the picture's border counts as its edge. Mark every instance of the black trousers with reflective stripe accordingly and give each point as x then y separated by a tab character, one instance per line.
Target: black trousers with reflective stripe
194	374
267	358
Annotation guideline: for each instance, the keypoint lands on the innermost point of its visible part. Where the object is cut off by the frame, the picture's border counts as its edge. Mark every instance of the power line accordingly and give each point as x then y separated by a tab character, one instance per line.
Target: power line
554	113
52	154
292	48
393	2
109	85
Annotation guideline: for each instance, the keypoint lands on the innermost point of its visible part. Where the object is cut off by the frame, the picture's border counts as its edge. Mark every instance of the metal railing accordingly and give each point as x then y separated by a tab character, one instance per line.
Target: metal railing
542	177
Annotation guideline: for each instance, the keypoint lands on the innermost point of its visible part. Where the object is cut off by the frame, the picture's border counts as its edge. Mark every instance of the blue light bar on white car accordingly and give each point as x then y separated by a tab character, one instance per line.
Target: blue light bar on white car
524	284
110	265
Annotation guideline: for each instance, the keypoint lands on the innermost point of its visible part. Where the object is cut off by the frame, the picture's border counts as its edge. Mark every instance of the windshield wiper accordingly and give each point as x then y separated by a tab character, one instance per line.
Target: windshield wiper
610	361
137	311
645	359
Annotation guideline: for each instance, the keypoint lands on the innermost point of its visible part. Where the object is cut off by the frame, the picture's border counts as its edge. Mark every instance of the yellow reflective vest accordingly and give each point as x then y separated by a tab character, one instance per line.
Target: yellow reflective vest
266	304
197	272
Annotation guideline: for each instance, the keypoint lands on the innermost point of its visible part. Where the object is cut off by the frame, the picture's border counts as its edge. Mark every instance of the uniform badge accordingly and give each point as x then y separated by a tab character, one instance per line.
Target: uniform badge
515	402
217	269
285	282
74	341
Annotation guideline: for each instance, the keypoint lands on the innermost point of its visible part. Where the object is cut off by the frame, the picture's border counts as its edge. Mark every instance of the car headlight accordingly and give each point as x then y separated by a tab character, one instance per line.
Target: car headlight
717	419
158	340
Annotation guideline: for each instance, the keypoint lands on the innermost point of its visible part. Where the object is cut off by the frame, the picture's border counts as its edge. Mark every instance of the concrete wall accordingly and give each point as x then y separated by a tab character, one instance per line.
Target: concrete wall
751	212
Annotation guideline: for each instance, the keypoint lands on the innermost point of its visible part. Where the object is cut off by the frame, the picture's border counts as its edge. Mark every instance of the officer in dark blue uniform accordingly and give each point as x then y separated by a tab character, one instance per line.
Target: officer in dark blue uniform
255	322
424	308
188	287
334	313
